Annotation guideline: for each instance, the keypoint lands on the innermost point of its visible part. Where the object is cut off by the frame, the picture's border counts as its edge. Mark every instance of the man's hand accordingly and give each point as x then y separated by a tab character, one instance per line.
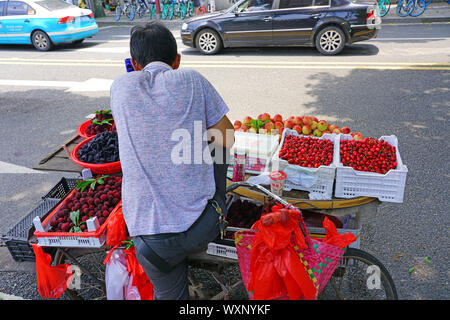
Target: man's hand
222	133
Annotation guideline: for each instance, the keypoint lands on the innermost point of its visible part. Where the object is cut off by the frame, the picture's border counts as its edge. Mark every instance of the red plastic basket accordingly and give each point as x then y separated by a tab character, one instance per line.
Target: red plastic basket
71	239
101	168
81	130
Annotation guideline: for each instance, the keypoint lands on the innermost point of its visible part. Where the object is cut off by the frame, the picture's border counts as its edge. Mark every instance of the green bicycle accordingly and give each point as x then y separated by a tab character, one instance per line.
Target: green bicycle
383	7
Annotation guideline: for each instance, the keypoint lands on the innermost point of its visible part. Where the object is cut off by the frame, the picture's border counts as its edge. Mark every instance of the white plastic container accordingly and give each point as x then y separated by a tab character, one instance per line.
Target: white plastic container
351	183
259	148
354	227
317	181
220	250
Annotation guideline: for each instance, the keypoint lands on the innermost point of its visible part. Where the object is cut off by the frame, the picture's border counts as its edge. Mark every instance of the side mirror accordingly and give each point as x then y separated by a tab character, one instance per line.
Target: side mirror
236	11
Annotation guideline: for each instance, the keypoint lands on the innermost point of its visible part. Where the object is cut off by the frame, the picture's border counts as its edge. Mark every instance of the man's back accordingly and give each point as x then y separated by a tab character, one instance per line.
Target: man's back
161	117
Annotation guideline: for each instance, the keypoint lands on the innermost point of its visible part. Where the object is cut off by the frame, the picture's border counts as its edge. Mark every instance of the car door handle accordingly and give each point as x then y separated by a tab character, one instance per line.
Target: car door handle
26	20
316	15
267	19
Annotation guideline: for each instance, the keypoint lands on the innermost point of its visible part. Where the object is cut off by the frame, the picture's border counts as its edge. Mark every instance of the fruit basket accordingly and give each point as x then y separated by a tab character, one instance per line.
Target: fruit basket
81	130
104	168
352	183
102	121
317	181
95	237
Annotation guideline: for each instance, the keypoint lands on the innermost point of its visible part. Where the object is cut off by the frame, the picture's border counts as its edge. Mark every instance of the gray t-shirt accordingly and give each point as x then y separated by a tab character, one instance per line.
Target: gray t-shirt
161	117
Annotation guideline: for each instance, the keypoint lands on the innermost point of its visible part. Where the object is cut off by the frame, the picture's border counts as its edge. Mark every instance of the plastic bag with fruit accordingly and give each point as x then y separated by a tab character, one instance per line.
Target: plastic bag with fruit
52	281
275	268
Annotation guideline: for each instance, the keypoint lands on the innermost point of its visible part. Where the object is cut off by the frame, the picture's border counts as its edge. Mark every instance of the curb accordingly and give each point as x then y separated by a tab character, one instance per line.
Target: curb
415	20
4	296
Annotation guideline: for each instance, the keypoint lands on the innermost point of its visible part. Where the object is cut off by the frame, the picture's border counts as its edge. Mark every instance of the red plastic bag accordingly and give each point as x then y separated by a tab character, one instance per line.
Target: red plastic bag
275	267
52	281
116	230
332	237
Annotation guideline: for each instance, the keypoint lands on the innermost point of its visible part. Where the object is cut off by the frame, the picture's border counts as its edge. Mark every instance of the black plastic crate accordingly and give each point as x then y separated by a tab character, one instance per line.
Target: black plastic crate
62	188
16	239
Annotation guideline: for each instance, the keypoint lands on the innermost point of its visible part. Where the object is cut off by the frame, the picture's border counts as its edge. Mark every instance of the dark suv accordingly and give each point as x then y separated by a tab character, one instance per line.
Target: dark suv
325	24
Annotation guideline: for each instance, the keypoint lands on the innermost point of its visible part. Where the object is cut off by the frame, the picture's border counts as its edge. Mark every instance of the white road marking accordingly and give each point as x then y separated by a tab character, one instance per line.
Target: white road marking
92	84
6	167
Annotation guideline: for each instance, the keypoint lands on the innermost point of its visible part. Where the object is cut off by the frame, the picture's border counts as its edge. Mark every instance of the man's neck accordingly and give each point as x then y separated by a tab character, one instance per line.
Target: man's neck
157	63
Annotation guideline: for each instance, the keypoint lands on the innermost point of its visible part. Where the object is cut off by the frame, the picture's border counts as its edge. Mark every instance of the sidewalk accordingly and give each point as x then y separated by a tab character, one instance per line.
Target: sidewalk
435	12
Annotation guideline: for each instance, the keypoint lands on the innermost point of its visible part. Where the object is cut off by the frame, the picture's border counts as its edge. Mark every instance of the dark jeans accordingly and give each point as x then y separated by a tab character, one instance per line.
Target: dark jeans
174	248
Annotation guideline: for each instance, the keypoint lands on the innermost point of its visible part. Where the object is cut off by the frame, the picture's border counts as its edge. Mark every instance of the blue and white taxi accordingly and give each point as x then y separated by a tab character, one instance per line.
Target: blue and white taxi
44	23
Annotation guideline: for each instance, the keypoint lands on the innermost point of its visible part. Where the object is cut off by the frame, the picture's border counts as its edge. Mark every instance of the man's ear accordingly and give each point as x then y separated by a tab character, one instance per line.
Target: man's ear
136	65
176	62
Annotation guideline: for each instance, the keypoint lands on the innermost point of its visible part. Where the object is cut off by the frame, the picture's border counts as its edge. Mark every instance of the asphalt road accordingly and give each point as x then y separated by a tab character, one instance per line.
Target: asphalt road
396	84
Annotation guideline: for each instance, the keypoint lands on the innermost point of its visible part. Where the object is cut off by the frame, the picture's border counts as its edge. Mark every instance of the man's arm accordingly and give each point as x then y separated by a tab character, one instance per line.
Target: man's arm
222	133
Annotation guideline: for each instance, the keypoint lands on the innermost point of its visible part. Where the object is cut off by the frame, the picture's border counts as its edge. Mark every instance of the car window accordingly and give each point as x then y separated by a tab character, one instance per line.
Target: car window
2	6
18	8
53	4
255	5
321	2
285	4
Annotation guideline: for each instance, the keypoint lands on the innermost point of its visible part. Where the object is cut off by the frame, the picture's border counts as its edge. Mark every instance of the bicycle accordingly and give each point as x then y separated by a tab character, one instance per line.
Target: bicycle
404	7
190	8
419	8
140	7
350	280
383	7
127	9
152	8
167	9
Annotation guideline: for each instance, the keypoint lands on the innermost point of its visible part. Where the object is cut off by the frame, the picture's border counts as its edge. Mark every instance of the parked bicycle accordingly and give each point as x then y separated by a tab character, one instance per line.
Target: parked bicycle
383	7
141	8
167	9
126	8
404	7
419	8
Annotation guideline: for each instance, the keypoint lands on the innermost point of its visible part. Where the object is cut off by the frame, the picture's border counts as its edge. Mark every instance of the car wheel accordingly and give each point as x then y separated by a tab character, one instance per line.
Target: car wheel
41	41
208	41
330	40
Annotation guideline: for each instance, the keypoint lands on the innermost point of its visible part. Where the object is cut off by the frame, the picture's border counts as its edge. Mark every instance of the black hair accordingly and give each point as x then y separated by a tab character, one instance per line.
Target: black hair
152	42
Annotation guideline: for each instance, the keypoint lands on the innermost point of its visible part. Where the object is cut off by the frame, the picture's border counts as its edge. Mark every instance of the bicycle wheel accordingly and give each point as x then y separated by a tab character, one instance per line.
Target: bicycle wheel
140	10
117	13
171	12
360	276
183	11
88	282
383	7
190	9
130	11
428	2
404	7
164	12
152	11
419	8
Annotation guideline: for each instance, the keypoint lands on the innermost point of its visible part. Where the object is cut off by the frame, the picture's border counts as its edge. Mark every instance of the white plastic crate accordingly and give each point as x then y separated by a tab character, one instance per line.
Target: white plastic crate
259	148
354	227
351	183
317	181
221	250
71	241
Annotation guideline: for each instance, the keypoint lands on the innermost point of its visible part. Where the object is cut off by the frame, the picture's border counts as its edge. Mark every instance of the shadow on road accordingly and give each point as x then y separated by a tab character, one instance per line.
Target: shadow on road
350	50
